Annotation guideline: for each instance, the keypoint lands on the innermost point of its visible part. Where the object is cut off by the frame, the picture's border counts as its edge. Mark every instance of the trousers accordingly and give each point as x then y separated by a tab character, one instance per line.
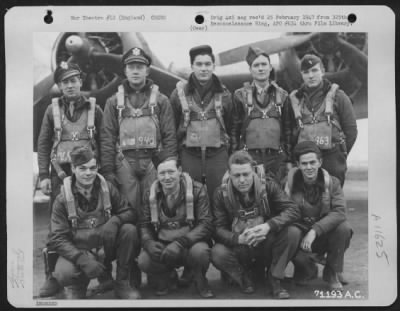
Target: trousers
215	167
333	244
272	161
197	258
274	252
127	249
135	177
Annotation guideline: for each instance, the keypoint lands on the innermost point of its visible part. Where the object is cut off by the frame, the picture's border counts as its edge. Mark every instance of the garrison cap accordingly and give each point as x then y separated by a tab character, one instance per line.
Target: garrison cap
200	50
308	61
253	53
66	70
136	55
81	155
305	147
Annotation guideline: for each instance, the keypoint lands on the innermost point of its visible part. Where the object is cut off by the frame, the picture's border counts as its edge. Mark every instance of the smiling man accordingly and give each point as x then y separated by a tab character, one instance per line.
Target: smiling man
138	130
251	222
324	114
203	118
323	227
89	217
176	226
262	115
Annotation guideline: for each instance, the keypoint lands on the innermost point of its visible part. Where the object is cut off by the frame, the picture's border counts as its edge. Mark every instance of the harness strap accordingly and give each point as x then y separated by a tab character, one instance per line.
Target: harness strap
106	196
154	212
153	205
72	216
120	102
184	103
90	121
248	96
57	117
153	98
330	96
189	199
296	107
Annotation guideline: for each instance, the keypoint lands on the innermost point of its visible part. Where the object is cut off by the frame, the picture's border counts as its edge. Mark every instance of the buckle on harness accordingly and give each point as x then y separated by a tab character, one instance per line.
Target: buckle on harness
90	131
245	214
173	225
75	136
265	116
92	222
203	116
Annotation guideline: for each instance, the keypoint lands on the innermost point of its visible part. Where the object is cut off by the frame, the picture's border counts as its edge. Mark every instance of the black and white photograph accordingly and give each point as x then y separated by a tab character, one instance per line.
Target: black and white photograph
259	124
202	167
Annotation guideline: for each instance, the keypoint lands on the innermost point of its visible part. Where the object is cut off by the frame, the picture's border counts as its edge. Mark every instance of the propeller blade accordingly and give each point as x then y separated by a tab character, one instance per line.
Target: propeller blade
41	88
270	46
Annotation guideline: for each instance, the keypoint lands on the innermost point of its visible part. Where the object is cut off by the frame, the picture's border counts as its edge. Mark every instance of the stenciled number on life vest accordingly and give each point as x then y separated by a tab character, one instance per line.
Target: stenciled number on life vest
146	140
322	140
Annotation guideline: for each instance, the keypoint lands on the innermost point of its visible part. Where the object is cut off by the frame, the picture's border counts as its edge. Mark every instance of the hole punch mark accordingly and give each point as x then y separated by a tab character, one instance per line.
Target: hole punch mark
199	19
48	18
352	18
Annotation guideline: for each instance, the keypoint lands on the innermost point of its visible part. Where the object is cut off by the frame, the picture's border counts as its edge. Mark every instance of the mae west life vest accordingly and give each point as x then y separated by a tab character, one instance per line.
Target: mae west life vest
171	228
262	127
317	126
87	226
299	197
244	218
70	134
138	128
204	127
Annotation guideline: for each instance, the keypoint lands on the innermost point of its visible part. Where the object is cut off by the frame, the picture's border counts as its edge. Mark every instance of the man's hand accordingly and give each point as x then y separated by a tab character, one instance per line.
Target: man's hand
110	231
154	248
91	267
242	238
45	186
308	240
257	234
172	253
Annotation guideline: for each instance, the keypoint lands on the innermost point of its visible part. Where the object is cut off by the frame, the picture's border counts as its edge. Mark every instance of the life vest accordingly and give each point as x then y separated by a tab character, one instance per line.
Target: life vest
299	197
204	128
249	217
317	126
87	226
70	134
171	228
138	128
262	127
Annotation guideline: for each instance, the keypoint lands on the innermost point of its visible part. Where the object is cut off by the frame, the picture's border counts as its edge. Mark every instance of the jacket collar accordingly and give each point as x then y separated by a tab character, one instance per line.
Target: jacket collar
216	85
128	89
326	85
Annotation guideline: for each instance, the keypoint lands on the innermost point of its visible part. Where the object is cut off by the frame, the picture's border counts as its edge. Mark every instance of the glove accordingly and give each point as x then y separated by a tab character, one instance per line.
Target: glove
172	253
45	186
154	249
91	267
110	231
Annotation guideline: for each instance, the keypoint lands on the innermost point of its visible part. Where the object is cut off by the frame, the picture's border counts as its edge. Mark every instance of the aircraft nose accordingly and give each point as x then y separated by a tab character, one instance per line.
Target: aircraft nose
74	44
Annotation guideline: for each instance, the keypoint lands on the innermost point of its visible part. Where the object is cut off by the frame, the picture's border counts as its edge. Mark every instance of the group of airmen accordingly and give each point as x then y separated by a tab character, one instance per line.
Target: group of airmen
248	182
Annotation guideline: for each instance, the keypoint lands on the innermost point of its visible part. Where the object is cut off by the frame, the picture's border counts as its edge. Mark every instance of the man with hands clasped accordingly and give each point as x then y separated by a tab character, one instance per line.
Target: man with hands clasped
251	215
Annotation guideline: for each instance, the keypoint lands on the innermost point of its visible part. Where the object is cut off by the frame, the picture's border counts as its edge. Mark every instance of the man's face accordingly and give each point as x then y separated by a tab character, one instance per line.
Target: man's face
203	68
136	73
309	163
242	177
312	77
260	68
168	174
71	87
85	173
